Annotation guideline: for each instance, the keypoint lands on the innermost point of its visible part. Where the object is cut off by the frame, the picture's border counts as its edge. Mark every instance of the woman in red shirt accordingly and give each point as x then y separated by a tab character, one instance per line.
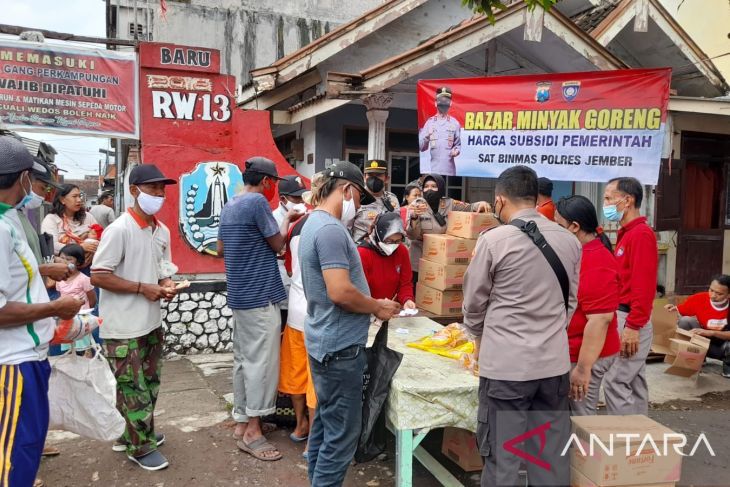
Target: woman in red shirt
592	333
386	262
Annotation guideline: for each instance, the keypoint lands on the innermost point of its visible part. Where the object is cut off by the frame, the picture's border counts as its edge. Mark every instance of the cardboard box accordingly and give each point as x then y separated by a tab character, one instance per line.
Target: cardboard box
467	224
440	303
460	446
441	276
446	249
687	353
642	465
577	479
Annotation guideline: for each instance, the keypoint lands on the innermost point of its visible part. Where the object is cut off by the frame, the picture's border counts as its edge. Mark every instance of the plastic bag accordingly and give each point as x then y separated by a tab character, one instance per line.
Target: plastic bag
382	365
81	325
452	342
82	396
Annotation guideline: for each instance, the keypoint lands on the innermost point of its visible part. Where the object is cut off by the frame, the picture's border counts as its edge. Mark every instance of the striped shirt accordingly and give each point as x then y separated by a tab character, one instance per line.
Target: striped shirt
252	273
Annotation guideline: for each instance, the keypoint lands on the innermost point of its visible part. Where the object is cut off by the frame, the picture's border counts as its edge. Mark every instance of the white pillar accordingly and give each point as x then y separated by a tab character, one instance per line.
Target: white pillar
377	113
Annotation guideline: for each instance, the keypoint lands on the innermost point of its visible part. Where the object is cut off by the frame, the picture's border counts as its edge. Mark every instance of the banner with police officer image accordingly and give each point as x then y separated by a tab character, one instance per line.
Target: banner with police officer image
590	126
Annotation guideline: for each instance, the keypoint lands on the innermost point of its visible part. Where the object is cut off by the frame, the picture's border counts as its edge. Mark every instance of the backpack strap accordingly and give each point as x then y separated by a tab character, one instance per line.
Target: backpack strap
530	229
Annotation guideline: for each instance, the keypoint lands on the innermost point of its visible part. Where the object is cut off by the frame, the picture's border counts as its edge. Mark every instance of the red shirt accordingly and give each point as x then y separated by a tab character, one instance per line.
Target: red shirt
547	210
700	306
638	259
597	294
388	276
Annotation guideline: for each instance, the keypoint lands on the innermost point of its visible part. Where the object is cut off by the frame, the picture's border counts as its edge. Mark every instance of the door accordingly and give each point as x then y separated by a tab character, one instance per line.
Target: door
700	236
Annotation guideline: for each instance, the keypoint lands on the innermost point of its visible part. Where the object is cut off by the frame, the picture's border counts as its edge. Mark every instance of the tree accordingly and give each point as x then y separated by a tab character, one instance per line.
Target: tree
488	7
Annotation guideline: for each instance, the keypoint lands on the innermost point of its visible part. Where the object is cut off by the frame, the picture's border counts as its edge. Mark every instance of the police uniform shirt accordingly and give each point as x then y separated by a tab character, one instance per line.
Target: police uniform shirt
366	215
440	135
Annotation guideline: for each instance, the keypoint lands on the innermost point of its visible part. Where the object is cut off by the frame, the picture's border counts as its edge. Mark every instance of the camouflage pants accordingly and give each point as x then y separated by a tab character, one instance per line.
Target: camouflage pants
137	364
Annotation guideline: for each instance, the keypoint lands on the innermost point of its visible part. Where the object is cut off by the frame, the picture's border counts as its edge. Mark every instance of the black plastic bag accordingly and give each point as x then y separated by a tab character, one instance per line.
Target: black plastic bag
284	416
382	364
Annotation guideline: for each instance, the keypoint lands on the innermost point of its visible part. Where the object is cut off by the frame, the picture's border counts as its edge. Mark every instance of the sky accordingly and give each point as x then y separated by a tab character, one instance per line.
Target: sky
77	155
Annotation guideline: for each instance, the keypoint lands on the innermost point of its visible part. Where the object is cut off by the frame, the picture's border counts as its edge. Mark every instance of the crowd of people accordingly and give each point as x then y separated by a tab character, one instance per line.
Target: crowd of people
556	310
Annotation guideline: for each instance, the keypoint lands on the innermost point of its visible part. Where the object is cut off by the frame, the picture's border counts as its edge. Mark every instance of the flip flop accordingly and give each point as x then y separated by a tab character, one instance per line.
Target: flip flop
298	439
257	447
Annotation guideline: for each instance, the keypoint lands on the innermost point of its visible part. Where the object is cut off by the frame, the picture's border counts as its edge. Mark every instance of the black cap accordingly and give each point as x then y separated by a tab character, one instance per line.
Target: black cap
14	156
262	165
544	187
42	171
350	172
443	91
291	186
148	173
376	165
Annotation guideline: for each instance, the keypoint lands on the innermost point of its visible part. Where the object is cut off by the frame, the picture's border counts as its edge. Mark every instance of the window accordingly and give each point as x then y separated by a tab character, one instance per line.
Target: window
139	31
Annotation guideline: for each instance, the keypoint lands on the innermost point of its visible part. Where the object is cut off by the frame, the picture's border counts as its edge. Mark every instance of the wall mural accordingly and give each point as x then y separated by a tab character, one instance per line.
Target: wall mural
203	193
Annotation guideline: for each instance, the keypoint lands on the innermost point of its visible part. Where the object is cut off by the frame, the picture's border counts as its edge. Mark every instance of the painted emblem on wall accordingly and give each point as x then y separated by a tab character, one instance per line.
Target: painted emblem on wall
203	193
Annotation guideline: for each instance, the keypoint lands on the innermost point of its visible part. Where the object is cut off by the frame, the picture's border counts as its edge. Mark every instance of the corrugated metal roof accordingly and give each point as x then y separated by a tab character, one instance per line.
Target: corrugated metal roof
592	18
32	145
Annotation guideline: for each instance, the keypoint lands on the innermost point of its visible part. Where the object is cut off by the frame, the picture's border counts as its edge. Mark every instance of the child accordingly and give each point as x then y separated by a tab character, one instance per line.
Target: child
78	285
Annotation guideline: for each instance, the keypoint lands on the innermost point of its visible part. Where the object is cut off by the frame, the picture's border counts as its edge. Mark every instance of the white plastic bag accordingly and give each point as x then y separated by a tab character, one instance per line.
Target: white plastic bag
82	397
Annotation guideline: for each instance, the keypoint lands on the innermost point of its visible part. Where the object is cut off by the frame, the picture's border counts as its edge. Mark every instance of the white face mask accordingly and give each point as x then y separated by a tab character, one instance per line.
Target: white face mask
30	201
150	204
299	207
348	210
388	248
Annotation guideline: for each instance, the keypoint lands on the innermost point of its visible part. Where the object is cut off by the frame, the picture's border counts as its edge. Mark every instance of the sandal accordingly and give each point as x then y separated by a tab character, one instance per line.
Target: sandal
266	428
50	451
39	483
257	447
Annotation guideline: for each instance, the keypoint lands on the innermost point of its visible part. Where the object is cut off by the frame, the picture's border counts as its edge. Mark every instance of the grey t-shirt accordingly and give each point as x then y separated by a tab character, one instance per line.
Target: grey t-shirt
326	244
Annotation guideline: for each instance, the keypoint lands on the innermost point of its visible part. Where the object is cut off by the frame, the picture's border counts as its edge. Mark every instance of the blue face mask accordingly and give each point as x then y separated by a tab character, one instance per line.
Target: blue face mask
612	214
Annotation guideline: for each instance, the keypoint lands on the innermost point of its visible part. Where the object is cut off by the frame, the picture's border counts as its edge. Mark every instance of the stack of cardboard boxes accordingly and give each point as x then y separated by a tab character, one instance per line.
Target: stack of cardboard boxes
444	262
643	452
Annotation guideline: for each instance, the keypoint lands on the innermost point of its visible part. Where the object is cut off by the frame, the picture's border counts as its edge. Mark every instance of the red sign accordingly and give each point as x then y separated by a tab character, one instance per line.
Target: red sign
590	126
191	129
84	91
183	58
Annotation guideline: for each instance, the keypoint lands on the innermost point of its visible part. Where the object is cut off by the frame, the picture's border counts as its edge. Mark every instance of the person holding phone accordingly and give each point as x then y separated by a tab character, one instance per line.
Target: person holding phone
429	214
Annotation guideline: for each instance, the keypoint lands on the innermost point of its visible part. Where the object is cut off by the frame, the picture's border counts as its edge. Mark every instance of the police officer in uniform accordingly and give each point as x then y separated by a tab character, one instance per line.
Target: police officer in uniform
376	179
429	214
441	136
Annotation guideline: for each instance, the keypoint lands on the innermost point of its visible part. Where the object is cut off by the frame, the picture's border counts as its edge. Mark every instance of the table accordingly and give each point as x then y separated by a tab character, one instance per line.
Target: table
444	320
427	392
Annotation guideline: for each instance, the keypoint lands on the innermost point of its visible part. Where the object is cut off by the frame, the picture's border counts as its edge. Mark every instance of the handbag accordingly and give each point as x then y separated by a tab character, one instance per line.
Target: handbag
382	365
82	396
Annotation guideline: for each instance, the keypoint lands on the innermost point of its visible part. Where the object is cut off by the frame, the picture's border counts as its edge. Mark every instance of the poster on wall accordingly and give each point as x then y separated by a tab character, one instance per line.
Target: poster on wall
70	90
203	193
590	126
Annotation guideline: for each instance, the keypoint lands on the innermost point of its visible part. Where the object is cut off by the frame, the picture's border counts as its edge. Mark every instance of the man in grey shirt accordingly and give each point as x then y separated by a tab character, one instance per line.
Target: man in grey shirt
103	210
514	305
338	316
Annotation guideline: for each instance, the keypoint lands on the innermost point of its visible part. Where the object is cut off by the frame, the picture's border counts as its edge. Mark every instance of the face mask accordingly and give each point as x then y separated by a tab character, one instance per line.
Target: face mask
269	191
374	184
443	108
289	205
148	203
348	210
30	201
298	207
612	214
388	248
498	214
433	198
